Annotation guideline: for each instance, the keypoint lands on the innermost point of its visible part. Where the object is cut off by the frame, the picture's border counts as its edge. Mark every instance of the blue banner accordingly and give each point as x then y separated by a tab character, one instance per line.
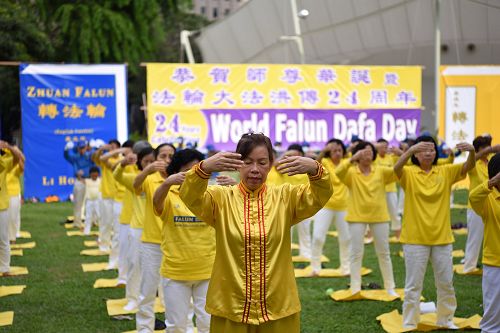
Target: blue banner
62	104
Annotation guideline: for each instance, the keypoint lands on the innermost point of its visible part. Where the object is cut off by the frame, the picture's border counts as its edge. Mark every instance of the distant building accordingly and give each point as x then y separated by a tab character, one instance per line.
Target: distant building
216	9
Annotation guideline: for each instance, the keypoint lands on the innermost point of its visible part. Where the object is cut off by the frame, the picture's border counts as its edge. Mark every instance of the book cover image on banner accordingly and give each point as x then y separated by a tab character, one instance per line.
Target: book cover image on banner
469	104
67	103
214	104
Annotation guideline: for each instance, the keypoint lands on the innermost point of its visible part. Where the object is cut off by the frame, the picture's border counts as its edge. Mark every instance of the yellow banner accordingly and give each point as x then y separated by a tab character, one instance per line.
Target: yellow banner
470	100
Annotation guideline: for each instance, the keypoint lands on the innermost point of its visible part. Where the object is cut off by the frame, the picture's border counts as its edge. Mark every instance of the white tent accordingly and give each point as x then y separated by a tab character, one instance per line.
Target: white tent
366	32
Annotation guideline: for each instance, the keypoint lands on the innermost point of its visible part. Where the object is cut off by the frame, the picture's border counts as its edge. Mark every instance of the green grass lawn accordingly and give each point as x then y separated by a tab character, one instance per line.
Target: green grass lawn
59	296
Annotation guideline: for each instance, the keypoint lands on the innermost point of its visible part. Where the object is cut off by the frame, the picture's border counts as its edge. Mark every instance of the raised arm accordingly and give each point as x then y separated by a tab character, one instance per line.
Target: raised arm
403	159
487	151
125	178
151	168
162	191
470	163
477	197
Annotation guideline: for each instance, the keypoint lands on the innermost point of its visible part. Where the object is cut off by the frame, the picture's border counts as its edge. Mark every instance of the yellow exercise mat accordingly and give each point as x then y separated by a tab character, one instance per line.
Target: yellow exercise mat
459	269
392	322
394	240
69	225
24	234
459	206
80	233
326	272
107	283
29	245
373	295
333	233
11	290
6	318
454	254
115	306
295	246
17	270
462	231
195	330
94	252
304	259
16	252
90	243
96	267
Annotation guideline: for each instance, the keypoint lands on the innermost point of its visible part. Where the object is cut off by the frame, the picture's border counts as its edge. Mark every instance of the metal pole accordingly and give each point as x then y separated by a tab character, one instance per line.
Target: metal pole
437	60
298	33
187	45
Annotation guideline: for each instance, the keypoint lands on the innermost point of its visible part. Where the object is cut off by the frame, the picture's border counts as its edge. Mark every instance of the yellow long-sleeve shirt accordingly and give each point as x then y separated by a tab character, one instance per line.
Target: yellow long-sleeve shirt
252	278
108	184
486	203
367	200
338	201
387	161
5	166
152	229
477	175
188	244
126	178
14	181
427	204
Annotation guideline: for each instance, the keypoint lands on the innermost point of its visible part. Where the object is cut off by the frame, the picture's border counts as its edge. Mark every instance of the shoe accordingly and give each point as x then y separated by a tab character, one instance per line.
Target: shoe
103	248
131	306
159	325
392	292
450	325
462	261
373	285
111	266
121	284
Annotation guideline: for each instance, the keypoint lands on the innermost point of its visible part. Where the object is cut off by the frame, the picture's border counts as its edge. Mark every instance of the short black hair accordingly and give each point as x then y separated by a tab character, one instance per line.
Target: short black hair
128	144
115	142
157	149
183	157
362	145
340	143
480	142
142	153
249	141
425	138
382	140
93	169
494	166
296	147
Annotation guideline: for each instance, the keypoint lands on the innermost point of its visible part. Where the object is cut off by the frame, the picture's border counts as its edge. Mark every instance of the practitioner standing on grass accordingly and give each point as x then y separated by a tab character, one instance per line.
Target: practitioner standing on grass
147	182
14	190
385	159
367	206
92	199
253	288
9	157
142	156
79	155
334	211
108	192
485	200
188	248
426	233
475	226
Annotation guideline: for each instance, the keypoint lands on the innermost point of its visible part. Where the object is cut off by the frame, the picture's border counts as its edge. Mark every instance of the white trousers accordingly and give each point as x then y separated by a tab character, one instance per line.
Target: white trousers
4	241
78	199
150	279
401	201
115	236
14	216
134	265
392	207
123	244
491	300
416	259
475	228
304	230
380	232
178	295
106	224
92	214
321	224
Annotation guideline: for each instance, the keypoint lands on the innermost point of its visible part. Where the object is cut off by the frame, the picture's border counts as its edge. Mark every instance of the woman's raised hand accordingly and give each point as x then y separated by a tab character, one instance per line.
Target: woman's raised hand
222	161
294	165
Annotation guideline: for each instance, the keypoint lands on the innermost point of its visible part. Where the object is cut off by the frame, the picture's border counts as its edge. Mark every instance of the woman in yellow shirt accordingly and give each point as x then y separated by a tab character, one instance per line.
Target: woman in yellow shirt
367	207
188	248
485	200
426	229
252	287
14	189
334	211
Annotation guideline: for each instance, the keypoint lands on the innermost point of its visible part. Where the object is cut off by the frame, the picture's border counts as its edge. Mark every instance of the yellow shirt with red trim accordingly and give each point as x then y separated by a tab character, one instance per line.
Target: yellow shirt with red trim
126	176
108	184
188	244
6	164
14	181
388	162
253	276
338	201
152	229
486	203
367	201
426	220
